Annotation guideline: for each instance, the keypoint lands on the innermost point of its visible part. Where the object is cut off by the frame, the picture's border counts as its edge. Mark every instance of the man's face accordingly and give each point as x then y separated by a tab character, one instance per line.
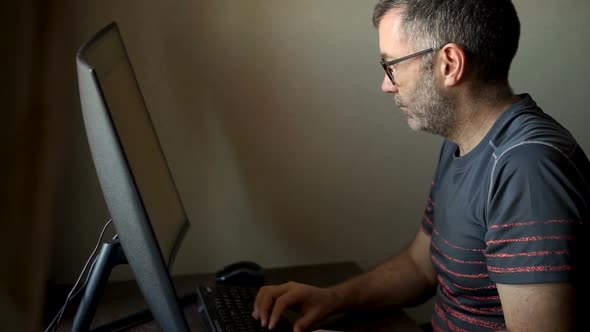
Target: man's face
416	92
426	107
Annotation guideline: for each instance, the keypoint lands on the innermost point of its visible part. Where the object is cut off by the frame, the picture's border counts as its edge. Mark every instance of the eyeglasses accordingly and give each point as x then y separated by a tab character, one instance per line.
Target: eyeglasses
387	64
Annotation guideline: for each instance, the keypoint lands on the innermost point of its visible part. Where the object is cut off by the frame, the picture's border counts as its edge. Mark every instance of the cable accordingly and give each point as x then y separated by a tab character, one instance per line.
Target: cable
73	292
63	307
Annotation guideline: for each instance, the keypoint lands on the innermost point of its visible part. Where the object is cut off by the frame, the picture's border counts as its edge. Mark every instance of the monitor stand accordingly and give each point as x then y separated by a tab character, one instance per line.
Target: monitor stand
111	254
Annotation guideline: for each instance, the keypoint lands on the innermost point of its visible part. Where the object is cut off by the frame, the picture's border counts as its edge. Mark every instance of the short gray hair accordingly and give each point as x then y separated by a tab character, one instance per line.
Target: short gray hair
488	30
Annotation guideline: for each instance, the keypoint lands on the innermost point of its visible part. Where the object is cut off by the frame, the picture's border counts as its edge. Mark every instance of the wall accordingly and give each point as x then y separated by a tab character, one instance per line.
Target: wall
26	205
283	147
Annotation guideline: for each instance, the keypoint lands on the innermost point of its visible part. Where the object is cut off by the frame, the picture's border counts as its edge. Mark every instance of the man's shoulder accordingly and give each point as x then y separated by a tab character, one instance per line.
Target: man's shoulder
532	128
530	140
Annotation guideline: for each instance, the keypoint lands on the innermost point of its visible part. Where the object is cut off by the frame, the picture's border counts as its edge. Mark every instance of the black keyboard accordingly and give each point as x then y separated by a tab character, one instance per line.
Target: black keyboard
229	309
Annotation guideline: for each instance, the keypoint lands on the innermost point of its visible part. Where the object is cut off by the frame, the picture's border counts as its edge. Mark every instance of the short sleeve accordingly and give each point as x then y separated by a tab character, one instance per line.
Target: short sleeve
537	203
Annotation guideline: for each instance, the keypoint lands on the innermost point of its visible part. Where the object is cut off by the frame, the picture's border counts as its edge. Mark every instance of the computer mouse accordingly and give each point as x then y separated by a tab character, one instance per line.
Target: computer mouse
242	273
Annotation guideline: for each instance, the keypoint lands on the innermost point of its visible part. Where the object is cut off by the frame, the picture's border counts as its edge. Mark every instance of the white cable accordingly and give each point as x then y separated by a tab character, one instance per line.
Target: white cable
63	307
72	294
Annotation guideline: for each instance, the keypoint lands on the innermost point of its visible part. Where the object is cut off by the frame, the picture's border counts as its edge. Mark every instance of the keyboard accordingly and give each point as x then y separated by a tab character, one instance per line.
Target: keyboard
229	309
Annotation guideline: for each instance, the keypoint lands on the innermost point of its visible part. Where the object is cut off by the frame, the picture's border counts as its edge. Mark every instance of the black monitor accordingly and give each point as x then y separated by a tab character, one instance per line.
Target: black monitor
135	179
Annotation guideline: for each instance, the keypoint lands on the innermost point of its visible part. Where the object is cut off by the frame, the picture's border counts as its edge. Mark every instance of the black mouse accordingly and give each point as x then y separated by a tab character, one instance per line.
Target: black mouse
241	273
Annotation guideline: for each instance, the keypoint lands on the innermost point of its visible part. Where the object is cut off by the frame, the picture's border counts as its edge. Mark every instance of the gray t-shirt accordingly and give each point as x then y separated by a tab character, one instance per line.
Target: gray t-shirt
514	210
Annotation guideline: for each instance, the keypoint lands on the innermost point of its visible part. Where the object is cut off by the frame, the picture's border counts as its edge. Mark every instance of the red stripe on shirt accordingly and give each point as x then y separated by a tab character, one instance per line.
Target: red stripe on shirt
473	320
444	318
427	219
482	298
522	269
481	311
474	288
533	238
530	223
435	327
455	259
455	246
444	268
529	254
425	230
444	284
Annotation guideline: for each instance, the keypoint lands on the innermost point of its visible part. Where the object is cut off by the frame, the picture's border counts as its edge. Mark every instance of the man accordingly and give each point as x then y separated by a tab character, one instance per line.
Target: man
501	240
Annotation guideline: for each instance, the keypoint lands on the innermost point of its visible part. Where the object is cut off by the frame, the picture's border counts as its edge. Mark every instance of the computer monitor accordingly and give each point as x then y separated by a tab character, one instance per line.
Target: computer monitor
133	173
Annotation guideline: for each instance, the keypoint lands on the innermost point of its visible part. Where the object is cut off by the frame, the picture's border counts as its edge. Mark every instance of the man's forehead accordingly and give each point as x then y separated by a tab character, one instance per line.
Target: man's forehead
391	44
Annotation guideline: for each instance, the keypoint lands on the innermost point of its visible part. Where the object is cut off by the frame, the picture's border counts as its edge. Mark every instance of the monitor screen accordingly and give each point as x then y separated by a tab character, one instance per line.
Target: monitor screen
132	170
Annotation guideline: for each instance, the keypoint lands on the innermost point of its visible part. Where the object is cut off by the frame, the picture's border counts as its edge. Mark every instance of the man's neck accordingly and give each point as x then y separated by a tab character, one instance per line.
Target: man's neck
476	116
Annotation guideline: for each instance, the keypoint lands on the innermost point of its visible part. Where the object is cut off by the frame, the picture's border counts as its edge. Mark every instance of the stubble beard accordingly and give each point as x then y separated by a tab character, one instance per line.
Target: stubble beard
428	108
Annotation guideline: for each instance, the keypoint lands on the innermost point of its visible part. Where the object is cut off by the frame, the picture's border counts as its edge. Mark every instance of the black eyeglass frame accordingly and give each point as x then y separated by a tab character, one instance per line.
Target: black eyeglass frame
387	64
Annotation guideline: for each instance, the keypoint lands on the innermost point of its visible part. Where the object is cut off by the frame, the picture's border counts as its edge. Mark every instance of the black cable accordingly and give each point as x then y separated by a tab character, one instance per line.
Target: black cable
73	292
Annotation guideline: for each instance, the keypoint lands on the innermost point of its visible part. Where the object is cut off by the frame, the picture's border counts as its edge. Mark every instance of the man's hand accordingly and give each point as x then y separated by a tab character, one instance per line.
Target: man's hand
407	278
312	302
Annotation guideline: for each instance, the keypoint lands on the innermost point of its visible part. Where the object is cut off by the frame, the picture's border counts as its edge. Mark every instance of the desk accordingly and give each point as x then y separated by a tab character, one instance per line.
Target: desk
122	298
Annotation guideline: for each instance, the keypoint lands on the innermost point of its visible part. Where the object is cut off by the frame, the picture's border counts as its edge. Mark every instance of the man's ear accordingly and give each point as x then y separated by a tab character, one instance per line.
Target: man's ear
453	66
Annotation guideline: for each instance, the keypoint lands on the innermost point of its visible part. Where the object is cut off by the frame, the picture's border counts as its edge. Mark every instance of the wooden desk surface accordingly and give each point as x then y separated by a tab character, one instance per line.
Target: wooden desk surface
122	298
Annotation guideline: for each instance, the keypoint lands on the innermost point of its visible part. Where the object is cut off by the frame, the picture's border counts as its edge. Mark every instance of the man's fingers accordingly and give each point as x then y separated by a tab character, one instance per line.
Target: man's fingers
257	301
264	301
281	304
265	304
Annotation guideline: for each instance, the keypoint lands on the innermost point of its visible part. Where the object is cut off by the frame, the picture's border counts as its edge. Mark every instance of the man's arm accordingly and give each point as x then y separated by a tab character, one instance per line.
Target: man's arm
407	278
538	307
536	237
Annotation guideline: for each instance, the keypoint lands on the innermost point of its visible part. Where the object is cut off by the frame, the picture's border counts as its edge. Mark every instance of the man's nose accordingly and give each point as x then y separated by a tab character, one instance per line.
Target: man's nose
387	86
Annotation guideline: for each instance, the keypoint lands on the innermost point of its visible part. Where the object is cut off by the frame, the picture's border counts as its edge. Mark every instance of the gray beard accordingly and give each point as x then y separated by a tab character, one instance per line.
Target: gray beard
434	111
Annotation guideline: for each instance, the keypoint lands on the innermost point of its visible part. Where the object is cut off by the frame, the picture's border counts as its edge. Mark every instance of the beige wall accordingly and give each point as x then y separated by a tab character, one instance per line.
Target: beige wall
283	147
